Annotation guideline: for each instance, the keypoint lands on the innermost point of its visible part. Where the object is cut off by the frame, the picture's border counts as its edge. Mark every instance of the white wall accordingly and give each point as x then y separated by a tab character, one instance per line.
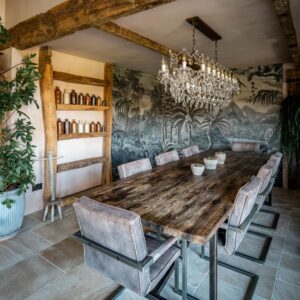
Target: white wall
74	180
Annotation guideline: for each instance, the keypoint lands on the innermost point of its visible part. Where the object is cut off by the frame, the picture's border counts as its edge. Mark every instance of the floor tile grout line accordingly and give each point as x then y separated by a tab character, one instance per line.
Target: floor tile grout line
291	284
51	263
40	236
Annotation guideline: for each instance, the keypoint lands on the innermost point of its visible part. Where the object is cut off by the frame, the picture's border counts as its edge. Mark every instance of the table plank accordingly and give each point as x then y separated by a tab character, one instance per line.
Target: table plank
172	200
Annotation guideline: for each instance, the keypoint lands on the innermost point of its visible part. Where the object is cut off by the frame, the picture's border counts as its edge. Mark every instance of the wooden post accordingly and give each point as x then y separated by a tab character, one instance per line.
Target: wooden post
107	169
49	112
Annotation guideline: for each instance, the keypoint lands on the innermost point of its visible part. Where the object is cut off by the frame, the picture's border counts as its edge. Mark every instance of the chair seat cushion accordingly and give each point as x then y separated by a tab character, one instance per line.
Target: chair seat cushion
162	265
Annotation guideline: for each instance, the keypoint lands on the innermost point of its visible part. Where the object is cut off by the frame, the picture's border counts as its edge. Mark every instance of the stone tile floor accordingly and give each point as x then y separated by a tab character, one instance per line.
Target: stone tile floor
45	262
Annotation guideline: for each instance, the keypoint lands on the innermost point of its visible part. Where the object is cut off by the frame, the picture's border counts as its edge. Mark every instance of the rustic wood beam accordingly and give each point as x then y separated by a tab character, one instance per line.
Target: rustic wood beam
49	112
133	37
283	11
71	16
79	164
67	77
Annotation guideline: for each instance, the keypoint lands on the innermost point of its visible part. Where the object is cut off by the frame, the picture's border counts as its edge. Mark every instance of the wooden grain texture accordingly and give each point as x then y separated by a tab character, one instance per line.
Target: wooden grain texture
49	111
67	77
283	11
134	37
79	164
80	107
172	200
71	16
81	135
107	168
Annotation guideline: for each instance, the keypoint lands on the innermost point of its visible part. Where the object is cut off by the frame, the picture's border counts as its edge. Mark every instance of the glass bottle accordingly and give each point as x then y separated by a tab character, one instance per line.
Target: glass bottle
93	100
60	127
99	101
86	127
73	97
80	127
67	126
57	93
104	102
66	97
81	99
87	99
92	127
98	127
74	127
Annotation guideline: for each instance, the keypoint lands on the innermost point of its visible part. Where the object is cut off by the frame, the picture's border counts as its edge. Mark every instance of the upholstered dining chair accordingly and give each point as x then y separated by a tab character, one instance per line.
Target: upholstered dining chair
134	167
167	157
232	233
115	245
189	151
244	146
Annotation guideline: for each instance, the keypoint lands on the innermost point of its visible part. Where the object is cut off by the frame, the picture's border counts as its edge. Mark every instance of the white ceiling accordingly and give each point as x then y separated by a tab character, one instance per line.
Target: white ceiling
250	29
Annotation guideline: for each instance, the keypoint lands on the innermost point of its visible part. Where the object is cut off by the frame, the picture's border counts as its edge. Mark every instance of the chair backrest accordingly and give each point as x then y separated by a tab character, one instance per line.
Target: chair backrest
118	230
189	151
243	205
166	157
264	174
274	161
243	146
134	167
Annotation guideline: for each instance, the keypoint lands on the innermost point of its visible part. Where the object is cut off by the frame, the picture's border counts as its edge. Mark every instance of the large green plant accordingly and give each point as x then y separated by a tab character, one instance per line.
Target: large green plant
290	132
16	148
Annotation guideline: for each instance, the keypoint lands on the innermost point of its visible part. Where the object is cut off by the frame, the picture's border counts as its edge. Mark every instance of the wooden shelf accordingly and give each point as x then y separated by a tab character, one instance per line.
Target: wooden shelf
80	164
80	107
81	135
67	77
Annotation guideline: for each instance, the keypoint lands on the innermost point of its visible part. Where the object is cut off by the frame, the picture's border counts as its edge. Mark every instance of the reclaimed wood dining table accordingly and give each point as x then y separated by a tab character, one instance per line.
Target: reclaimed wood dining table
172	201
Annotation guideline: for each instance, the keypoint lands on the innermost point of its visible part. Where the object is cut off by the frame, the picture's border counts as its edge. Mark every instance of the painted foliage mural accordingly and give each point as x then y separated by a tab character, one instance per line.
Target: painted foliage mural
146	120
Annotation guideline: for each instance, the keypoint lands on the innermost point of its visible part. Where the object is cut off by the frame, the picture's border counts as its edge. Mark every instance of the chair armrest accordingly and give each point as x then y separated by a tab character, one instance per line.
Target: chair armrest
157	253
246	222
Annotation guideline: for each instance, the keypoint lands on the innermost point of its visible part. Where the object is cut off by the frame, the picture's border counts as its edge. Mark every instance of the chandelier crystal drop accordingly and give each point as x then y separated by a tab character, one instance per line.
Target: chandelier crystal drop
194	79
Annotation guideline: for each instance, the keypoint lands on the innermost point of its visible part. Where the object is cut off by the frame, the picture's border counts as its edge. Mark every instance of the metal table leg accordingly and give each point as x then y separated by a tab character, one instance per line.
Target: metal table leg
184	269
213	256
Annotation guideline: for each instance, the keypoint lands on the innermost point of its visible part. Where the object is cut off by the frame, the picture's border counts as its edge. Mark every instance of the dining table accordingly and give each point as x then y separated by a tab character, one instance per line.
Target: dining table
172	201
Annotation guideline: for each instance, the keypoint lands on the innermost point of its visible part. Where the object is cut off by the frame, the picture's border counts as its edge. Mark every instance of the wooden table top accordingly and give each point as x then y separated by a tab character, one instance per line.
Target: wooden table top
170	199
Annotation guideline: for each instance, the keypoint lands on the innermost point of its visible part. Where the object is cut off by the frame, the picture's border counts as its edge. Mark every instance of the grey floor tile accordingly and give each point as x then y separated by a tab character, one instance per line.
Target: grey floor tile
26	277
225	291
292	243
29	223
21	247
289	270
66	254
59	230
285	291
267	275
80	283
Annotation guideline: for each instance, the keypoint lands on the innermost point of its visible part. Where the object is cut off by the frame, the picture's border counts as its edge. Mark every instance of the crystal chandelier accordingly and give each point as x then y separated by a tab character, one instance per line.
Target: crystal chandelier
197	80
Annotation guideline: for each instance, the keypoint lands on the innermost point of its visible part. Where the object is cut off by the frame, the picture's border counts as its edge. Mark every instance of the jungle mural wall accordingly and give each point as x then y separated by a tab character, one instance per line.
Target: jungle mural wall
146	120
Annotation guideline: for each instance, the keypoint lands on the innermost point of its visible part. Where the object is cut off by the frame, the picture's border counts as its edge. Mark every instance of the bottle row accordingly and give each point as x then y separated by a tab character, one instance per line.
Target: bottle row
74	98
67	127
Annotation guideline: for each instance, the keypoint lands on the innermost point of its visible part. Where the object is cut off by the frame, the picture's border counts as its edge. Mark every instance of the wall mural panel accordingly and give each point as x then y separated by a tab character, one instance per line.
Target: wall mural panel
146	121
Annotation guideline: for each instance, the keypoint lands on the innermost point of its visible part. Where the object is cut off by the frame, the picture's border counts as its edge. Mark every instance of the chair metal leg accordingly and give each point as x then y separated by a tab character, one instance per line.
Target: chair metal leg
116	293
159	287
274	223
262	258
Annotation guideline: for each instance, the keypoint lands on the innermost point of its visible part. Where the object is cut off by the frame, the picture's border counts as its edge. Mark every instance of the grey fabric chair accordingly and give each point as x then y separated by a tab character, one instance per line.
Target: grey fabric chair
115	245
244	146
189	151
134	167
166	157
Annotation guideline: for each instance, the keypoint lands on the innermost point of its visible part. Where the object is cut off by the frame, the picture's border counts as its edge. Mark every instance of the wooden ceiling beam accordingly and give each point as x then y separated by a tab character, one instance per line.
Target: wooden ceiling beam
71	16
134	37
283	11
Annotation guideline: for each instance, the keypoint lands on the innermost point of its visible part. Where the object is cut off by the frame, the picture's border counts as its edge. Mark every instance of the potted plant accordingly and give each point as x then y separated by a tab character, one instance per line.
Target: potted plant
210	162
16	148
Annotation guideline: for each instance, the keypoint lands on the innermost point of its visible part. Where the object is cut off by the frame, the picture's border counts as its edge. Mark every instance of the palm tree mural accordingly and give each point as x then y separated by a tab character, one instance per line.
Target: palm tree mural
186	117
127	93
213	120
